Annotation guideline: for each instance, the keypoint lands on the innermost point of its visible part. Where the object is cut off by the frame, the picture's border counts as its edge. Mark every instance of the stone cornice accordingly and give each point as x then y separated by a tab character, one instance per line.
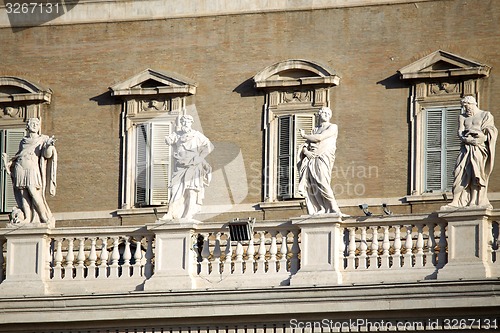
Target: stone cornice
92	11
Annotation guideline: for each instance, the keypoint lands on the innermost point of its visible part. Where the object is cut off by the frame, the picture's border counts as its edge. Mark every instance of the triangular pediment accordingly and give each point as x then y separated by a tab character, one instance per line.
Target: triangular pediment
153	82
441	64
295	72
14	89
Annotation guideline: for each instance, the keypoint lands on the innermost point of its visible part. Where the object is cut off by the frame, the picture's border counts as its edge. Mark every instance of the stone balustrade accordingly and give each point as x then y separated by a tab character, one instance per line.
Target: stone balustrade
304	251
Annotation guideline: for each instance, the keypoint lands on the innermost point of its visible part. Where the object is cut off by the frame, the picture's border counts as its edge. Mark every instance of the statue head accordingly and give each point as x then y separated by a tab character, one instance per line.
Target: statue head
186	122
33	125
469	105
325	113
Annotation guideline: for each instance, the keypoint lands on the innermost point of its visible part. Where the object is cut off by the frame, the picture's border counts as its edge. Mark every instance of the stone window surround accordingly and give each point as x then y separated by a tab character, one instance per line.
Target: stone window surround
149	96
438	79
291	87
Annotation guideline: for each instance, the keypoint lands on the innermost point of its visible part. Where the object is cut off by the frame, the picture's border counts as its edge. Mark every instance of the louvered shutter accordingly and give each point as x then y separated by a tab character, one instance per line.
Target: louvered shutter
141	164
305	122
9	144
452	144
433	150
160	166
285	158
441	147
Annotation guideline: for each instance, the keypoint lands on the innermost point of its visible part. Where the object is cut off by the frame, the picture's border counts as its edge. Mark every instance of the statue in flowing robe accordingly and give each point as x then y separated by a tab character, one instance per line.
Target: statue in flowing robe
191	172
316	158
33	170
478	136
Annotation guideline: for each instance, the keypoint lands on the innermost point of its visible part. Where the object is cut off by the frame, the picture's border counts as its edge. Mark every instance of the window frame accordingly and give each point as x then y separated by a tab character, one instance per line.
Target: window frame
292	88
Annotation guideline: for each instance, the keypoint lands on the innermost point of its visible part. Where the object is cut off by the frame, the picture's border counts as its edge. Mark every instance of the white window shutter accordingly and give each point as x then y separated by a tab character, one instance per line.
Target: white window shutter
285	157
10	145
433	150
307	123
161	163
141	163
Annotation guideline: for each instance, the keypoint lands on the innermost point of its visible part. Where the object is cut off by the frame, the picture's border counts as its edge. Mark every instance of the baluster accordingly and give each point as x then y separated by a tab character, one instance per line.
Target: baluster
91	269
115	258
228	254
103	267
363	246
419	256
250	262
205	254
148	266
261	261
273	251
136	269
396	257
80	258
386	245
58	258
294	261
408	255
283	262
216	263
374	249
442	256
238	263
351	246
127	255
70	257
429	255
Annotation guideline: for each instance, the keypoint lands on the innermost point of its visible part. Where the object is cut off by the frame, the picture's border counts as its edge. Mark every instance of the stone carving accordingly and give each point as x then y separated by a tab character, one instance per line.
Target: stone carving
475	160
191	172
316	158
33	169
297	97
444	88
154	105
11	112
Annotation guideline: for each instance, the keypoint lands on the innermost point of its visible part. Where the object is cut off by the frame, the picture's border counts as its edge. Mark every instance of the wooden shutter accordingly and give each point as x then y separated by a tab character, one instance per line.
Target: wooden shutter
307	123
285	158
9	143
433	150
141	164
441	147
160	166
289	141
452	144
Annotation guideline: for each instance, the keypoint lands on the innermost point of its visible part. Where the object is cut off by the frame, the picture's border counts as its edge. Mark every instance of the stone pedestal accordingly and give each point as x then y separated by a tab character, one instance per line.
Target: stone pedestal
321	250
27	266
469	233
175	259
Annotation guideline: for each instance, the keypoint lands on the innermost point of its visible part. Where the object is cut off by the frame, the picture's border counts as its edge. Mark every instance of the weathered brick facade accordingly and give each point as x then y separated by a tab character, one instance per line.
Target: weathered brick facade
366	46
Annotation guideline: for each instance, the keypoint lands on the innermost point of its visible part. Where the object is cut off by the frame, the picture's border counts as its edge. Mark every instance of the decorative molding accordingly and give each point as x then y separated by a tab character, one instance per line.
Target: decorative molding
153	82
14	89
442	64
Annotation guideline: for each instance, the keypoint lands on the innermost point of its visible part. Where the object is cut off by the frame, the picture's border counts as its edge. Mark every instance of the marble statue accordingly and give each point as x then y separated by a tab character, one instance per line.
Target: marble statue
33	170
191	172
478	135
316	158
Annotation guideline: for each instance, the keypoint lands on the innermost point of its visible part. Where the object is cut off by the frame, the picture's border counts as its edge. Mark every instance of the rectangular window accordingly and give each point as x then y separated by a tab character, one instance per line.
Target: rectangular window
152	164
289	142
442	146
9	143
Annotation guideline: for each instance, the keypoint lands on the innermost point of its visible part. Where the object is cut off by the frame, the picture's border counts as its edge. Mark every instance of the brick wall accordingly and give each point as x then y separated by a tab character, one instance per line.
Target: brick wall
365	45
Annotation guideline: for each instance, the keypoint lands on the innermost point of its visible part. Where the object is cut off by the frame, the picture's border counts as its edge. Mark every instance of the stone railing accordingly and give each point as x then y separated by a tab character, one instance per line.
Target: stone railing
305	251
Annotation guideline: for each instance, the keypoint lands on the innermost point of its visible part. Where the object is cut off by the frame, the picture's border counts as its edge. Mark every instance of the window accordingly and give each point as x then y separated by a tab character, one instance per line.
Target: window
441	147
294	92
437	84
9	143
152	103
19	101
